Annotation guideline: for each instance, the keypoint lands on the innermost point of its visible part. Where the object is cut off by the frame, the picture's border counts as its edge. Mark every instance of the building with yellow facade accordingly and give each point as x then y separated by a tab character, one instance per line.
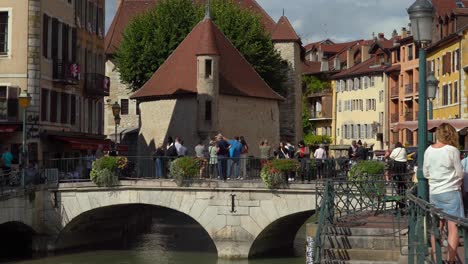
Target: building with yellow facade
444	60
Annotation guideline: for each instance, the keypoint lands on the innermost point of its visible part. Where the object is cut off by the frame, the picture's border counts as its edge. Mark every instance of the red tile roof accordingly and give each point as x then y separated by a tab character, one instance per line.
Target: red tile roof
443	7
267	21
366	67
284	31
178	74
311	67
127	10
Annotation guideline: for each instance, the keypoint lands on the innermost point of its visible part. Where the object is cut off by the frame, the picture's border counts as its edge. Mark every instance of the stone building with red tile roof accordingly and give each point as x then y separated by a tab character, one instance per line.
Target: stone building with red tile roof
285	40
206	87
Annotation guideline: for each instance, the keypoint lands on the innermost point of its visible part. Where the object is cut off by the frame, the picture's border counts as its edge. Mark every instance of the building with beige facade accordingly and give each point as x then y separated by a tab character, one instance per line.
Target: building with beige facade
360	99
218	92
44	53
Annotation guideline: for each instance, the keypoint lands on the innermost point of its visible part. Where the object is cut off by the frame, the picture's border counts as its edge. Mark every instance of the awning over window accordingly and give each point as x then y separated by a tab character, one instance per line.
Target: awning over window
8	128
92	144
432	125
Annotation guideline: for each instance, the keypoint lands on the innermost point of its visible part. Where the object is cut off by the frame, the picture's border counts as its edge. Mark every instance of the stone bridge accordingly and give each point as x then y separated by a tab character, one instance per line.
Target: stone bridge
242	219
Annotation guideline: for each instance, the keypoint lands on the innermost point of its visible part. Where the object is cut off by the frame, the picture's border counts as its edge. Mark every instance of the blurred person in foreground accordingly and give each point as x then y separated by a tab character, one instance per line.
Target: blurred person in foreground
443	169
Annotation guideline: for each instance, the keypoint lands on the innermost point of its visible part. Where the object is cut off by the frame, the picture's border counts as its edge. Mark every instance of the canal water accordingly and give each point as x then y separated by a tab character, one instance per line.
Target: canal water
170	239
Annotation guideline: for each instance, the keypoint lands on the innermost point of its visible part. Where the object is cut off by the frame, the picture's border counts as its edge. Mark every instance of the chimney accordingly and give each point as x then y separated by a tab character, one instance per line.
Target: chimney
404	32
324	67
365	52
337	63
381	36
349	59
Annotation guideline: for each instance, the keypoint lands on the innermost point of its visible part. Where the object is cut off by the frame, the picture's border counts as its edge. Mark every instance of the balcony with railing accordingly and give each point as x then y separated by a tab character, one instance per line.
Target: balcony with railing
409	88
65	72
97	84
394	118
409	116
320	115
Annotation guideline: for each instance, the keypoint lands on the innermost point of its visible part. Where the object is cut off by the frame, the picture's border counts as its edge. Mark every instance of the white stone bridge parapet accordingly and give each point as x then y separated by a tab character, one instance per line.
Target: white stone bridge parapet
242	219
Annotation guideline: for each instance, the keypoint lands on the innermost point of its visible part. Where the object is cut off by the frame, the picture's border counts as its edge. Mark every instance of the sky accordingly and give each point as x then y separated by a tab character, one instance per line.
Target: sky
338	20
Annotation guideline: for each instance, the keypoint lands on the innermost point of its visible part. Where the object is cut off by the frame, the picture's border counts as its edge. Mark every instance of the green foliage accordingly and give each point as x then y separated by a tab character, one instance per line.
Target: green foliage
312	84
106	170
311	139
184	169
306	124
363	169
273	172
151	37
368	175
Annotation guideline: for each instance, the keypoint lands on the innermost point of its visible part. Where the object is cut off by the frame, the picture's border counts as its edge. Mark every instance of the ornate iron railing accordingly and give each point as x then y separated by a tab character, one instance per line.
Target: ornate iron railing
425	221
350	202
326	216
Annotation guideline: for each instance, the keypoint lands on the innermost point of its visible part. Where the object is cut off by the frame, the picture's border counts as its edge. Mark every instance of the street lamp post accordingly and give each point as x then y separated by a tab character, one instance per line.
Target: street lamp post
421	13
116	113
24	101
432	84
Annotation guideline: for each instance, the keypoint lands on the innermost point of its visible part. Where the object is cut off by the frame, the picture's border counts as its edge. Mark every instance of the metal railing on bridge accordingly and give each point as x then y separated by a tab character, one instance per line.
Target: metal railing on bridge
246	169
427	221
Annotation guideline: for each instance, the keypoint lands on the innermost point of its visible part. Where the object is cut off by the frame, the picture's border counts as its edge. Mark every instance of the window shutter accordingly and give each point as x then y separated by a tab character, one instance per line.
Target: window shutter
449	62
65	42
44	104
74	46
64	108
12	103
45	35
55	28
53	106
72	109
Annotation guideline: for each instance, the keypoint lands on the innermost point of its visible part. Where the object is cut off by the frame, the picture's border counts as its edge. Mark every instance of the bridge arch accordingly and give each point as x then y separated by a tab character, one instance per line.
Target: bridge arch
277	239
234	218
116	225
17	240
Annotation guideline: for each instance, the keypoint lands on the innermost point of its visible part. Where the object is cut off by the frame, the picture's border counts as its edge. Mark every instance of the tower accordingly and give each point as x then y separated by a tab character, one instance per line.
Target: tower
289	46
207	80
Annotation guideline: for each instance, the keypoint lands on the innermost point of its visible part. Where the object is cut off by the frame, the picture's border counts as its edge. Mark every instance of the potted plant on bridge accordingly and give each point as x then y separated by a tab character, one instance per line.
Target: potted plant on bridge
275	172
183	170
368	178
107	170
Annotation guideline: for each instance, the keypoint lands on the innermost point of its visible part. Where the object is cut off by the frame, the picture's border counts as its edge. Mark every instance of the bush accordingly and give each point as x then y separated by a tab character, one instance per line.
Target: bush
107	170
365	169
184	169
368	176
273	172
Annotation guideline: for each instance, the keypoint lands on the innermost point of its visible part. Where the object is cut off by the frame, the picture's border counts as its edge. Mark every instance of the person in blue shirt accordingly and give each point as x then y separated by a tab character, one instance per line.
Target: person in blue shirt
7	159
222	149
235	150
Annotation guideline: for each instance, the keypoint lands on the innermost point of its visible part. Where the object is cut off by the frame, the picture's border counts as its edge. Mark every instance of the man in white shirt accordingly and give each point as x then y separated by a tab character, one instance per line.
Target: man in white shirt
178	145
320	154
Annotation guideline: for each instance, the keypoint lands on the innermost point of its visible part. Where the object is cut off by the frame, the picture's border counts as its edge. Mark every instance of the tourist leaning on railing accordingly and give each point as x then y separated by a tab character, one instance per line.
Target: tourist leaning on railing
442	167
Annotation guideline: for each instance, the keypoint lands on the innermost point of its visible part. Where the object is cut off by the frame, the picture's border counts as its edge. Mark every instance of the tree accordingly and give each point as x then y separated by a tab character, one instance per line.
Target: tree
151	37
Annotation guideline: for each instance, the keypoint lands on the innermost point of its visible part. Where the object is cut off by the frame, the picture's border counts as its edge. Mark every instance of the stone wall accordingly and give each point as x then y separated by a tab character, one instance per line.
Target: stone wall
291	109
118	91
255	119
163	118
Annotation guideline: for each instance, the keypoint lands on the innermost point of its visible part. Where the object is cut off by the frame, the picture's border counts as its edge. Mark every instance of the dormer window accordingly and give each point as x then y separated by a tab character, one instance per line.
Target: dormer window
208	69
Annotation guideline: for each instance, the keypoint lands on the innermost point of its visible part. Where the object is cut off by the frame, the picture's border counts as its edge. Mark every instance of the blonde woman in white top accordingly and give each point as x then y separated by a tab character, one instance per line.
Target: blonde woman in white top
442	167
